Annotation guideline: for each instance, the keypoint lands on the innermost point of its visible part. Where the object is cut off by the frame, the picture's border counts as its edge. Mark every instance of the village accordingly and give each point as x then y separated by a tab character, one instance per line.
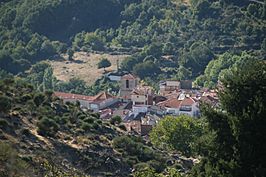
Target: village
139	106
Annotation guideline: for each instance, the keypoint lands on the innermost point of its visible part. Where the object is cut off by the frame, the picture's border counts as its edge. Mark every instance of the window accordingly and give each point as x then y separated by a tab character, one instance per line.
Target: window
127	83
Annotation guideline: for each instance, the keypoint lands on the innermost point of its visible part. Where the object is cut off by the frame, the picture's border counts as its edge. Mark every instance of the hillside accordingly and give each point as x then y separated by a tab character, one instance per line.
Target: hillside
39	135
193	32
174	54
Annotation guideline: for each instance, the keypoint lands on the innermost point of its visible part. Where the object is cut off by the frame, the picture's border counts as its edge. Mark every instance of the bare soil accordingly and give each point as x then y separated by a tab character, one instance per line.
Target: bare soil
84	66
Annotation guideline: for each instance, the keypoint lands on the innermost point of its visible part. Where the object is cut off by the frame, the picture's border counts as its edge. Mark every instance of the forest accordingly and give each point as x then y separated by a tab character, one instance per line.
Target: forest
211	42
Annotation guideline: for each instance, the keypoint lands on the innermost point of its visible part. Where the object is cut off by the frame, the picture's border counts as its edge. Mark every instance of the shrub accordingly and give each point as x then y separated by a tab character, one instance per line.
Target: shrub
122	127
95	126
39	99
5	104
47	127
99	122
89	120
86	127
25	98
25	132
82	116
10	162
3	123
116	120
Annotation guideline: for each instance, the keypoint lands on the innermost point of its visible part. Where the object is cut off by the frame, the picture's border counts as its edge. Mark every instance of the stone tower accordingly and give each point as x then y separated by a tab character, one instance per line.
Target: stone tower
127	84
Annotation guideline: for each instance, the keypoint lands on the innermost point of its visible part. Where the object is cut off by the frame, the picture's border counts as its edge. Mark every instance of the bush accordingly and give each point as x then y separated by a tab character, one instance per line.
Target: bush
5	104
116	120
89	120
25	97
10	162
3	123
99	122
95	126
122	127
47	127
25	132
86	127
39	99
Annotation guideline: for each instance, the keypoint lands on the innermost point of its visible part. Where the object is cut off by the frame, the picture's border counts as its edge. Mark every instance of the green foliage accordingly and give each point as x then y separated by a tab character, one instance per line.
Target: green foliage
129	63
116	120
39	99
47	127
218	67
134	147
11	164
70	54
178	133
233	148
104	63
5	104
3	123
93	41
146	69
86	126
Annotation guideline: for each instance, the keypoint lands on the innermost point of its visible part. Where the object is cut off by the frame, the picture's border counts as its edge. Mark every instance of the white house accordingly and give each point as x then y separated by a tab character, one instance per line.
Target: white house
140	108
177	106
95	103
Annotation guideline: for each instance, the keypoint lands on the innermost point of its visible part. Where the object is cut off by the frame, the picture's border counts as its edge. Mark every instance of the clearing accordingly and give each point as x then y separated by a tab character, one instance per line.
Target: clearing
84	66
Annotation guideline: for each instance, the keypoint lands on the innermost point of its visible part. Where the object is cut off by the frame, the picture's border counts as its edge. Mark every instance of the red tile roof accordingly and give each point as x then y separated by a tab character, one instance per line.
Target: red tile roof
98	98
128	77
63	95
187	101
102	96
170	103
175	103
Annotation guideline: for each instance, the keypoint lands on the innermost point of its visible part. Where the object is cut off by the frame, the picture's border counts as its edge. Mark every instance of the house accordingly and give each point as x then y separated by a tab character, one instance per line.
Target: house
140	108
73	98
102	100
106	113
127	84
182	105
142	95
169	86
115	76
171	106
189	106
140	123
132	122
95	103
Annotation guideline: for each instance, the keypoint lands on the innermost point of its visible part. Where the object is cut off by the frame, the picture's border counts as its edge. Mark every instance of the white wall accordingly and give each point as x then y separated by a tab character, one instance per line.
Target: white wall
138	109
107	103
138	98
173	111
114	78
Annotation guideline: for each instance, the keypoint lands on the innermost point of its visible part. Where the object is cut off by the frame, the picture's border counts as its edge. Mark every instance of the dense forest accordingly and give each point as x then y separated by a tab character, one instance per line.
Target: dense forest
166	38
206	41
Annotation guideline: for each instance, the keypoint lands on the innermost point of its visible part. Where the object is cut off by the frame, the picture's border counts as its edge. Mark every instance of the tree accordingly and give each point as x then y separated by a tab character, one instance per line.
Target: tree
11	163
239	136
104	63
177	133
146	69
129	63
48	79
5	104
70	53
116	120
39	99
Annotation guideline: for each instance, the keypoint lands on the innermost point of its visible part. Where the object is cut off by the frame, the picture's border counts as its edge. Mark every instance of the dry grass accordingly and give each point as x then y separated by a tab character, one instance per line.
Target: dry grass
84	66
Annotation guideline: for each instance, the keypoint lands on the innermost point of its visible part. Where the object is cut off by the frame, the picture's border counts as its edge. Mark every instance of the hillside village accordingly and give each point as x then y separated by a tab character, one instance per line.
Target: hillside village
139	106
